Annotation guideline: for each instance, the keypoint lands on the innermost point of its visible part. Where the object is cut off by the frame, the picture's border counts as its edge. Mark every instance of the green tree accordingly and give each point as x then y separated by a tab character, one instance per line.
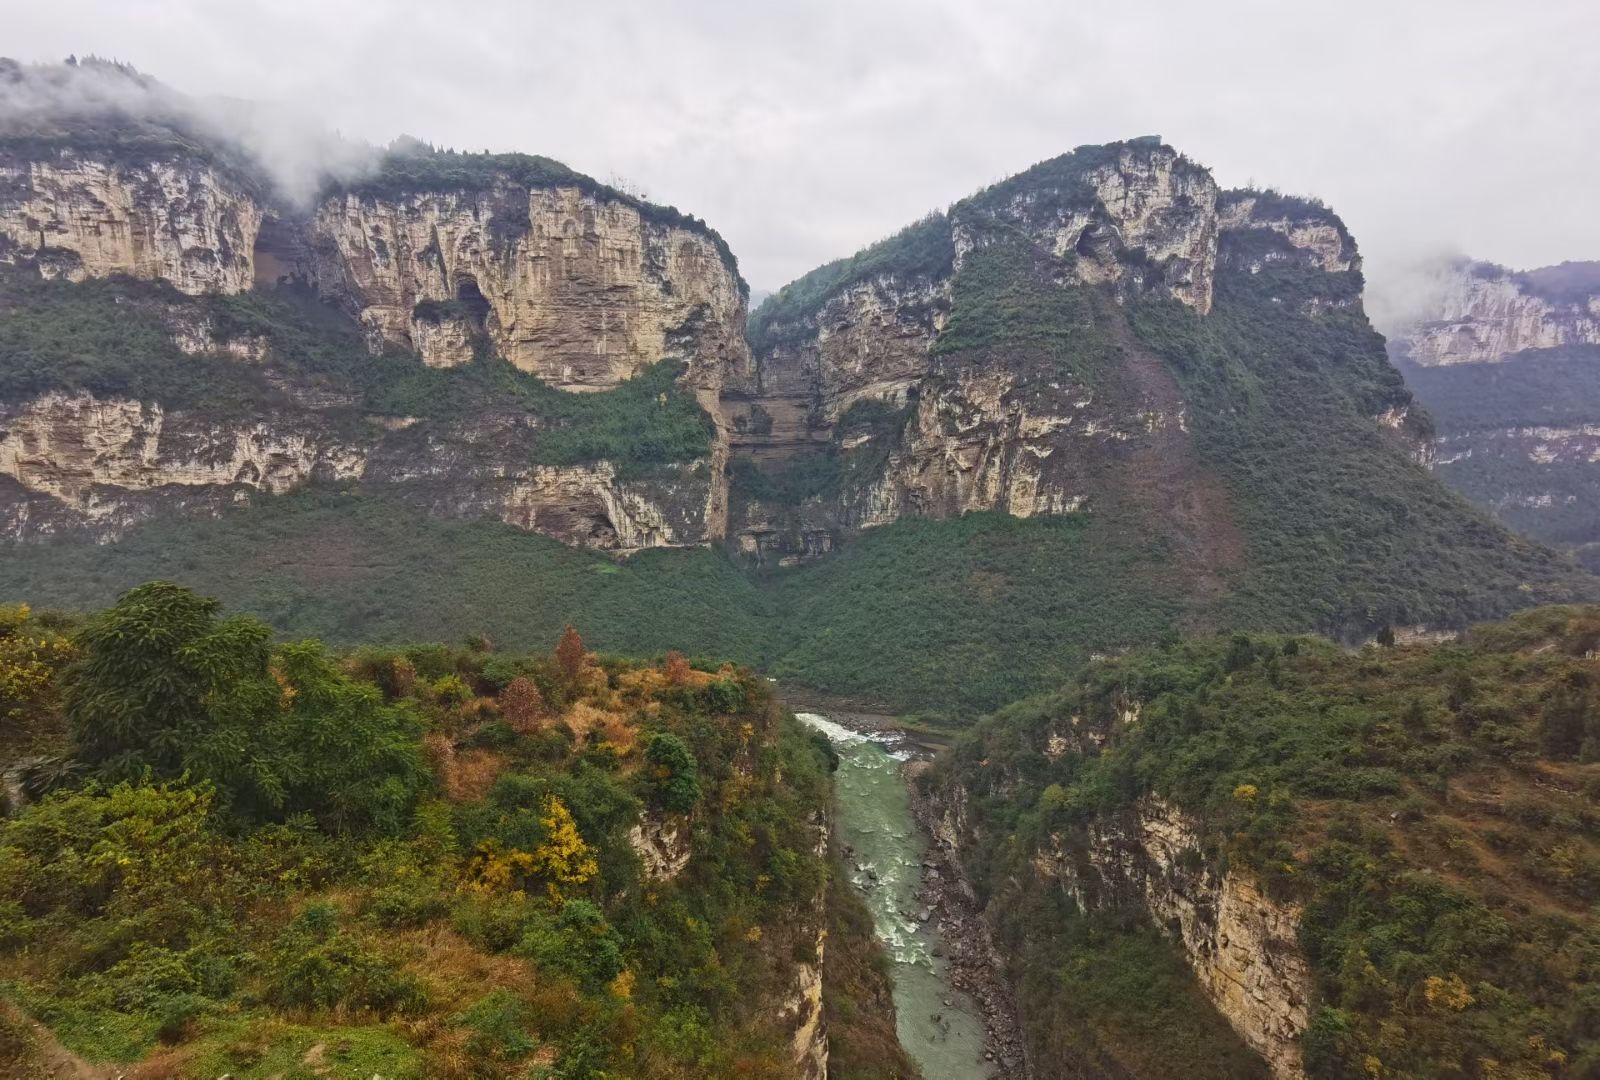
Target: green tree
347	757
162	684
673	772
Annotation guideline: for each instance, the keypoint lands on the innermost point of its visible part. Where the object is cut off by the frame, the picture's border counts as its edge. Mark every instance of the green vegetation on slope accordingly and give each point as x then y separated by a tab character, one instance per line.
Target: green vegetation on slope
1345	533
349	568
1557	501
1436	811
943	616
947	616
1105	994
1543	387
114	338
411	862
923	249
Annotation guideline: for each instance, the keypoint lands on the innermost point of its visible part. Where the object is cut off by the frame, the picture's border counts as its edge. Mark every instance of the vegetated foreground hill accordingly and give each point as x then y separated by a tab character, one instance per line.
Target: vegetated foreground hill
1508	363
221	856
1372	863
1098	403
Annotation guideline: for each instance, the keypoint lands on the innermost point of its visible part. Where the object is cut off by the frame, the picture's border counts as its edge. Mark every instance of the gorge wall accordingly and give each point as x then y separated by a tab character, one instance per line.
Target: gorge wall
1242	946
1508	363
888	367
577	284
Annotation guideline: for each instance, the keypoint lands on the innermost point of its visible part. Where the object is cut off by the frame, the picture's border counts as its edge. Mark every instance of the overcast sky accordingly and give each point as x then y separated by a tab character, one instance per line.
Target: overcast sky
803	130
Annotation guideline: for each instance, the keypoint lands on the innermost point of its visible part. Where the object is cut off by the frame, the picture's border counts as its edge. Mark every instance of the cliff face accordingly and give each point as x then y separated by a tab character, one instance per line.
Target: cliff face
582	288
1243	947
1485	314
77	217
81	463
1508	363
970	418
578	289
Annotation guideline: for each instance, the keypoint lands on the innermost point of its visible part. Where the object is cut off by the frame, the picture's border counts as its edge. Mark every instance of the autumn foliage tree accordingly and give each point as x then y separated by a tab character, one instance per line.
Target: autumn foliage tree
676	669
569	654
521	704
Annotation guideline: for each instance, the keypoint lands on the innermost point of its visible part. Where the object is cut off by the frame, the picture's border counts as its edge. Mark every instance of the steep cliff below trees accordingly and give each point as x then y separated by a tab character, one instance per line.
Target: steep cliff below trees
1373	864
1508	363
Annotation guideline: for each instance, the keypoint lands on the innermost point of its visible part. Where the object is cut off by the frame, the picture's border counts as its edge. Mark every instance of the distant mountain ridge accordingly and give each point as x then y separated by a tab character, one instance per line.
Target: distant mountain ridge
1099	402
1508	363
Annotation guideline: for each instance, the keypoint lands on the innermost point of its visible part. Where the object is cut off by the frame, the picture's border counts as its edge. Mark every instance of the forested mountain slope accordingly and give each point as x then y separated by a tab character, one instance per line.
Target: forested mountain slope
1380	862
1098	403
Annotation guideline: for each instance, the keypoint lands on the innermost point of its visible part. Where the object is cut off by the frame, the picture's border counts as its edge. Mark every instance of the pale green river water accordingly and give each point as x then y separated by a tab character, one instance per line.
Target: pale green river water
885	865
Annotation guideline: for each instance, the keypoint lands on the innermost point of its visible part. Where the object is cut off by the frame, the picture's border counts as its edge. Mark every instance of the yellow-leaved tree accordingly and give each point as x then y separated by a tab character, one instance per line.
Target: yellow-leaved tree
561	858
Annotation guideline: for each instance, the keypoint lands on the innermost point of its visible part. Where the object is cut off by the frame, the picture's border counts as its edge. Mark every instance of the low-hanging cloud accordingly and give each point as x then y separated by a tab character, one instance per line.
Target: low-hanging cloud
805	131
289	148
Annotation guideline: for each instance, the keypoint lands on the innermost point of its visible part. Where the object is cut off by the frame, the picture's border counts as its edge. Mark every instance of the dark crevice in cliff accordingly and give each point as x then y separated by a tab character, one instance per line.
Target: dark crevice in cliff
473	303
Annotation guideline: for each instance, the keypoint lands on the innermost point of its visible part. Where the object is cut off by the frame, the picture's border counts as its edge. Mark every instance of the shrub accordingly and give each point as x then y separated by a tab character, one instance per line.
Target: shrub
673	772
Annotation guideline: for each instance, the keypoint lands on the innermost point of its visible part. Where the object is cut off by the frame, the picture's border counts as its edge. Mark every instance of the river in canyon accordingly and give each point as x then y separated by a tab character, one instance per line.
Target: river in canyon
939	1026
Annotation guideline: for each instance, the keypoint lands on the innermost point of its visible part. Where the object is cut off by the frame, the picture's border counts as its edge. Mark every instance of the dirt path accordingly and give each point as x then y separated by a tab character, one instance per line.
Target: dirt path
32	1052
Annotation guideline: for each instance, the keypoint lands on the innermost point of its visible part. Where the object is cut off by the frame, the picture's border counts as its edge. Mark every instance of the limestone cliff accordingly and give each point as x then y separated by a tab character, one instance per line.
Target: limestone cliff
1484	314
801	1007
81	463
1243	946
77	216
580	289
961	418
579	284
1153	856
1508	364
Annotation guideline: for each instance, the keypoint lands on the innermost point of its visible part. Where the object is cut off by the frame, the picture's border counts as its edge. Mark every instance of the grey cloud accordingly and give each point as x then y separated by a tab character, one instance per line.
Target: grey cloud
803	131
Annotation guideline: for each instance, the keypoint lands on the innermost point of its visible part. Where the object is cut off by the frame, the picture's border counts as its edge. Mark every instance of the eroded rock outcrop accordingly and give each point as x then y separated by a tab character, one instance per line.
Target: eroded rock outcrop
178	220
662	846
802	1004
582	290
78	462
1243	946
1501	359
1484	314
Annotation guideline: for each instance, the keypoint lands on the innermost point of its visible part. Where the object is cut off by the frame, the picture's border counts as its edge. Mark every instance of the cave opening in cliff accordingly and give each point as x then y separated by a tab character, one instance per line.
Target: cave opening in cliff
278	254
473	303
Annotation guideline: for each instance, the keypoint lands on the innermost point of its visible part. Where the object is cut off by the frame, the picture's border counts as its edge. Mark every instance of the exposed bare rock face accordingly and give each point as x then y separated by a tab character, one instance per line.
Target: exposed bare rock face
180	220
80	463
1243	946
801	1007
1486	314
1261	230
1153	856
1140	196
581	290
578	284
867	360
662	846
1508	364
